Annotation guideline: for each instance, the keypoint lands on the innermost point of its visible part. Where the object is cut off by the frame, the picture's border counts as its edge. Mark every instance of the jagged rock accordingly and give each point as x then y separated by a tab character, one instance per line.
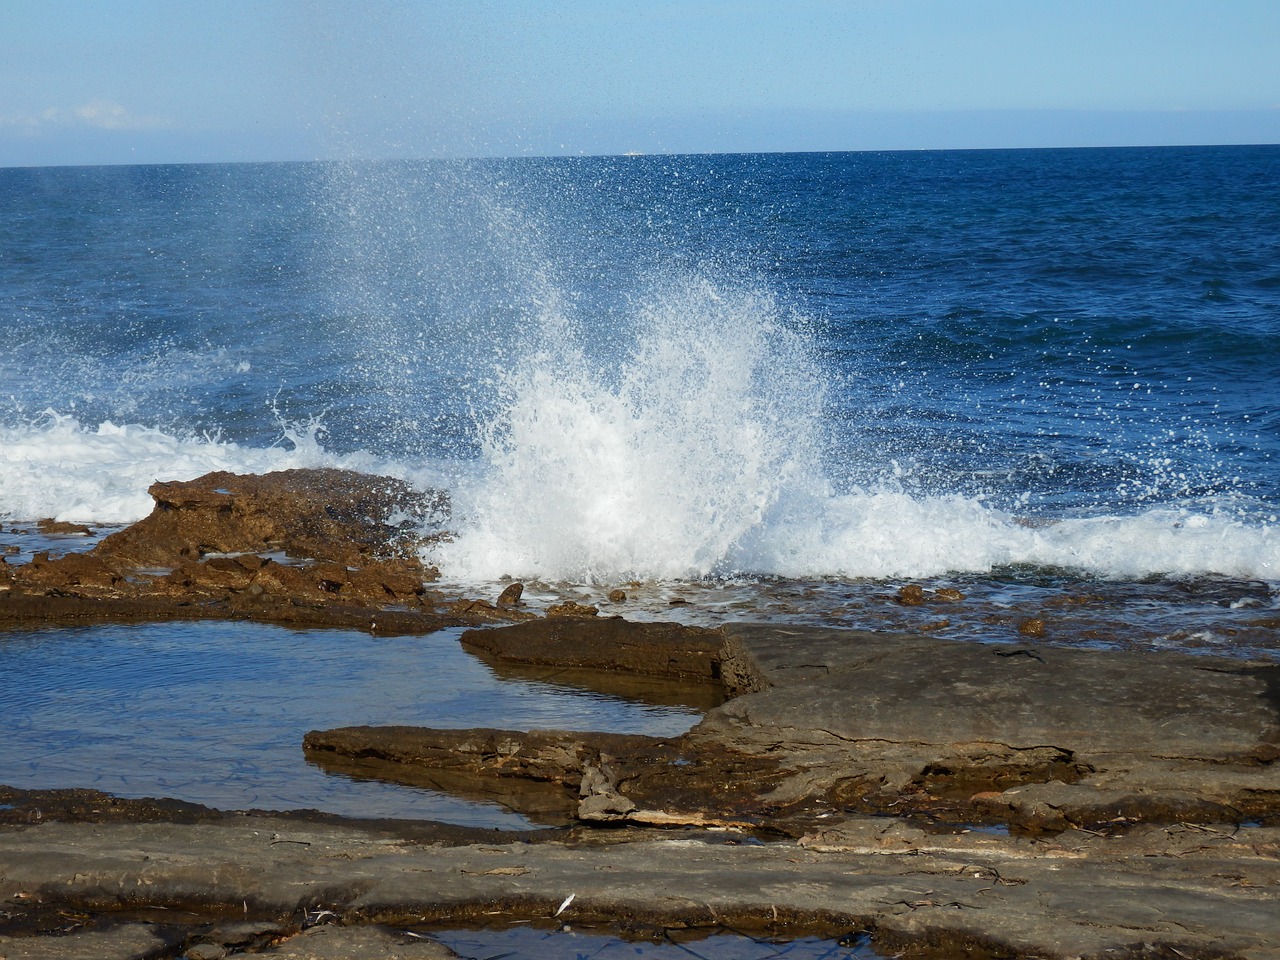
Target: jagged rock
510	596
879	724
571	608
318	546
51	526
911	595
335	515
86	575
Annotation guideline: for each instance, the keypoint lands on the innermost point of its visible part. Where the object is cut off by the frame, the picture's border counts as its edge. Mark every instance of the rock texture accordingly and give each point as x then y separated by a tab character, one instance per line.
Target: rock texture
316	546
832	721
948	799
1173	891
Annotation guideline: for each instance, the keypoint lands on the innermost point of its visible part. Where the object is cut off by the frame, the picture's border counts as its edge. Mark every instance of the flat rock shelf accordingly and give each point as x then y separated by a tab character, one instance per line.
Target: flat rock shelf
942	798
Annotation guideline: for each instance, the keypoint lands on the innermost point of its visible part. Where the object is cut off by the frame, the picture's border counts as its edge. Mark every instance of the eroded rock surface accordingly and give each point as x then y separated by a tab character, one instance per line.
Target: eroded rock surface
951	799
834	721
317	546
1163	891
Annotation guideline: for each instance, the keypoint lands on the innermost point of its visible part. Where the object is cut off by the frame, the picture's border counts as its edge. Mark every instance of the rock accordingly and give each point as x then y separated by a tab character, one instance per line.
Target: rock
129	941
1164	891
617	596
1031	628
51	526
335	515
911	595
1145	777
299	546
600	799
359	943
78	572
205	951
510	595
245	934
594	643
887	724
571	608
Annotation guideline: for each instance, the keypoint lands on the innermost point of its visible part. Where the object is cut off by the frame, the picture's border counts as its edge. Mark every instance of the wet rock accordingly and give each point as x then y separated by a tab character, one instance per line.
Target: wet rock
83	574
902	723
130	941
617	596
598	789
246	934
571	608
654	649
925	717
51	526
1162	891
298	546
359	943
601	777
948	595
510	595
1108	756
1033	627
911	595
205	951
335	515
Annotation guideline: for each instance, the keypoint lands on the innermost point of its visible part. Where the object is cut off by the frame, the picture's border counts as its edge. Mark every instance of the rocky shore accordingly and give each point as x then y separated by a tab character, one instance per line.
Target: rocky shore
943	798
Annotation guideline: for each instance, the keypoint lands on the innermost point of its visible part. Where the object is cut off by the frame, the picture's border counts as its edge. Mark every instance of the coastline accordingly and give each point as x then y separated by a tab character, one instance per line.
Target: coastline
937	795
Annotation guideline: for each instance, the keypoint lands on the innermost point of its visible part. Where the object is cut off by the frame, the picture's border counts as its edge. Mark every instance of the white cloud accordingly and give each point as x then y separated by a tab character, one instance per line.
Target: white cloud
101	114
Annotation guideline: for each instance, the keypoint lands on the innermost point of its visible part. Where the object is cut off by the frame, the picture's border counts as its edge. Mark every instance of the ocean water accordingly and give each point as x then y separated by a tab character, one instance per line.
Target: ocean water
776	385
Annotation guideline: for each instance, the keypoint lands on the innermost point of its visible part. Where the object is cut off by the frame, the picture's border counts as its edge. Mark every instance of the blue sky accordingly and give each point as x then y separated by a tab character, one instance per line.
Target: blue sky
134	81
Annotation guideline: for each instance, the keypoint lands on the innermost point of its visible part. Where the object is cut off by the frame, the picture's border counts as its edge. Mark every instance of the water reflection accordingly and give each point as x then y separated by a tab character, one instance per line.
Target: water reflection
215	712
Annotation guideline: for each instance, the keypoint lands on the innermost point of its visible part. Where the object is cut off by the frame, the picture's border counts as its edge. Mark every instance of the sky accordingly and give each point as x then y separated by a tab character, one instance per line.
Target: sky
161	81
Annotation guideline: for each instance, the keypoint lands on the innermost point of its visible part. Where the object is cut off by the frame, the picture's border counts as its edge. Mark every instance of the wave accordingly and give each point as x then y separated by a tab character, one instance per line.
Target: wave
689	440
57	467
700	452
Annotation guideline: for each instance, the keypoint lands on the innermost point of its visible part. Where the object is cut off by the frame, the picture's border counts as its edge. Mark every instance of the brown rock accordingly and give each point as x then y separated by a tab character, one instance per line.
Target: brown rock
571	608
78	572
617	596
49	525
1031	628
510	596
335	515
911	595
594	643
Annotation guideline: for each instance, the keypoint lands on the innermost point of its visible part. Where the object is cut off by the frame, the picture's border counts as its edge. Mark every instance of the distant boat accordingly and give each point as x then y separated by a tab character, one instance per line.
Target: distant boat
633	153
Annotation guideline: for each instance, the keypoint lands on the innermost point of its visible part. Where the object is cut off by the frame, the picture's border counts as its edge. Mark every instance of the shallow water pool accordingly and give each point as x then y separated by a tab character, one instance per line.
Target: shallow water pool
215	712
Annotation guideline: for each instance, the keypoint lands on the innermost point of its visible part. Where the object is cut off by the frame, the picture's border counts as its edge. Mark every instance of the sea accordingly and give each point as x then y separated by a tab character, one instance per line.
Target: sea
1006	396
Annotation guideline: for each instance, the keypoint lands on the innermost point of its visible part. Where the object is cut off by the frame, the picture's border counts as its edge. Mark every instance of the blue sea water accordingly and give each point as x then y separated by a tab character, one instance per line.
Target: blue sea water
1038	384
743	387
801	374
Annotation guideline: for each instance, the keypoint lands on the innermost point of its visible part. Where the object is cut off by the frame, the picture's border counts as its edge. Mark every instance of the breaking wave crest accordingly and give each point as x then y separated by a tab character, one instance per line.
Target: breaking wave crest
694	447
661	461
57	467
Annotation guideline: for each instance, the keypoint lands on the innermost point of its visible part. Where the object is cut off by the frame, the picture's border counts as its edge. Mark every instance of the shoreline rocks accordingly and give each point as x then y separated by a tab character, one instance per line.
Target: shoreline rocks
945	798
323	547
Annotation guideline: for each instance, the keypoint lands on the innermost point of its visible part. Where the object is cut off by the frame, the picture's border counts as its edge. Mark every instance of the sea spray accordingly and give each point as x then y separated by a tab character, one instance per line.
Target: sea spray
659	463
54	466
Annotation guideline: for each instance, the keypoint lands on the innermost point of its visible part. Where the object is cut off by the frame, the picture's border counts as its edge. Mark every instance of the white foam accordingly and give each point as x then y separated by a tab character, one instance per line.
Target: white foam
56	467
697	453
656	466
